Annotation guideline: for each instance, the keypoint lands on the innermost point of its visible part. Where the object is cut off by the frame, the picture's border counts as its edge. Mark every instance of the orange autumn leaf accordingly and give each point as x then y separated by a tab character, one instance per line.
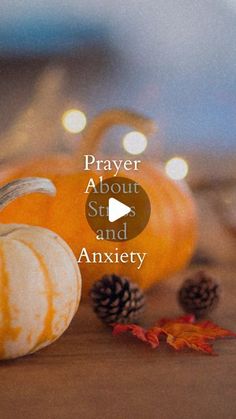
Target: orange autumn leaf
179	333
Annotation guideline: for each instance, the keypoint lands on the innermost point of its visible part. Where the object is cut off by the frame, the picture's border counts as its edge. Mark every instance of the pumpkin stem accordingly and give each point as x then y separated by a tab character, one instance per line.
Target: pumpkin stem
103	121
25	186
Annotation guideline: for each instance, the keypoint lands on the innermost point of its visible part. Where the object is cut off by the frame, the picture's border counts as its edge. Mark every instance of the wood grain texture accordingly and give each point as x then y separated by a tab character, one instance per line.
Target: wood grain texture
90	374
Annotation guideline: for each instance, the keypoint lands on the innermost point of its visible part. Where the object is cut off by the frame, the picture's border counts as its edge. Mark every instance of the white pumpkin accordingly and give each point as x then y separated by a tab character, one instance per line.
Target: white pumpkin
40	281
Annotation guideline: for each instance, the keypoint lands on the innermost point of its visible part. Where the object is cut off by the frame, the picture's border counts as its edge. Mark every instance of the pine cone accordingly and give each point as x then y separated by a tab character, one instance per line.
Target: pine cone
199	294
117	300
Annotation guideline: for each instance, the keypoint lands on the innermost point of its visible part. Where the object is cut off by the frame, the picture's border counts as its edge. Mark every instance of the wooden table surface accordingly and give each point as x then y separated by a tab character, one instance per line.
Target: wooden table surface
89	374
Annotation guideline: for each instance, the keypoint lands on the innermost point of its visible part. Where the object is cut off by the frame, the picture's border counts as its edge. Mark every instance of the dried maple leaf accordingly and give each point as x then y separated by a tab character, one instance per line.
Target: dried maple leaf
150	336
179	333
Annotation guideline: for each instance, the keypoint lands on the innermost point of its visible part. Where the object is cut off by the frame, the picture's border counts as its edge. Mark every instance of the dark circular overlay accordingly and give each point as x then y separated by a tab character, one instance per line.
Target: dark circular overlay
127	192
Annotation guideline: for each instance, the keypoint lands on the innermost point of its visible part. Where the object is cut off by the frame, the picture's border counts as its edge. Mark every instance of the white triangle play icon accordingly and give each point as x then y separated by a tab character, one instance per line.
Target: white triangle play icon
117	210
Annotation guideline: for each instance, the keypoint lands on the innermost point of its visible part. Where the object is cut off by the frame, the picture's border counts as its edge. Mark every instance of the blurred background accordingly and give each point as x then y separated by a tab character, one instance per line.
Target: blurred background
175	61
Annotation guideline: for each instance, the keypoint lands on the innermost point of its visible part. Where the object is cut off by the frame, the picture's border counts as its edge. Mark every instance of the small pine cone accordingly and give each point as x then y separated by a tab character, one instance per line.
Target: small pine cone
115	299
199	295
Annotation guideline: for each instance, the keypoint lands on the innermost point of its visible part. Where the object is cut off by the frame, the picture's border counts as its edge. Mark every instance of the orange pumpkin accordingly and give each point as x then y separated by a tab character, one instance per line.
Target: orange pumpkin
169	238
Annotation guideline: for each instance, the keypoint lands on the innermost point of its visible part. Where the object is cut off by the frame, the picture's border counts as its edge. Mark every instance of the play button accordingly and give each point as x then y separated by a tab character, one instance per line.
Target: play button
117	209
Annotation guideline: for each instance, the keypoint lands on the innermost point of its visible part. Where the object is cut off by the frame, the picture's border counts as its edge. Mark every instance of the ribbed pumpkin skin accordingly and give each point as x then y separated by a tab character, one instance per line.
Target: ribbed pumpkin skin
169	238
40	287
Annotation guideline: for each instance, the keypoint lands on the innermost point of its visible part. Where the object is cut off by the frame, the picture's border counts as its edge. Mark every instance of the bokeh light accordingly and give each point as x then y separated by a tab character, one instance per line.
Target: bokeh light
134	142
74	121
176	168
